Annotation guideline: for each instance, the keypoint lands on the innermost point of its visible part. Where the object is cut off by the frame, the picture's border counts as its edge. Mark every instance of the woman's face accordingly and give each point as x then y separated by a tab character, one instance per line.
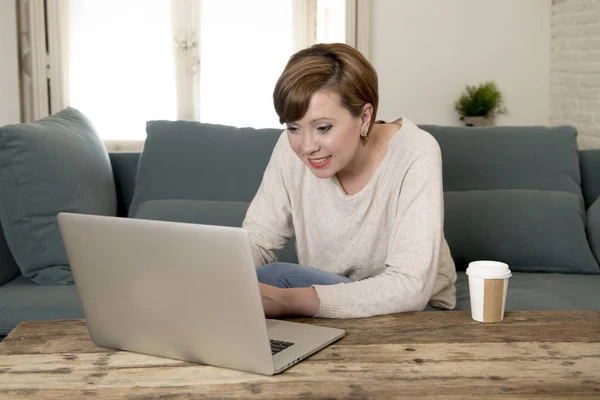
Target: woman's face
327	138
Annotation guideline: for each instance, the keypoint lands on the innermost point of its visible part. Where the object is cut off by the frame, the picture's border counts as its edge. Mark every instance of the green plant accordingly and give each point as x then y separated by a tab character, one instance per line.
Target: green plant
484	100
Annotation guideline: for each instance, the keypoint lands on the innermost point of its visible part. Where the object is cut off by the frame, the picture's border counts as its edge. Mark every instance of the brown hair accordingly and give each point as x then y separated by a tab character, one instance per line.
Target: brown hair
337	67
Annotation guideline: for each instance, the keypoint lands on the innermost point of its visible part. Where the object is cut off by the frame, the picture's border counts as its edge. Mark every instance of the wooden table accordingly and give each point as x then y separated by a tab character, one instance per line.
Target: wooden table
549	354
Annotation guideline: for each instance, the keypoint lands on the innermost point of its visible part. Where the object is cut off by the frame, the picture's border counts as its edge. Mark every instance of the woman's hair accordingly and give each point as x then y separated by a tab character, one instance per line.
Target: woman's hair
336	67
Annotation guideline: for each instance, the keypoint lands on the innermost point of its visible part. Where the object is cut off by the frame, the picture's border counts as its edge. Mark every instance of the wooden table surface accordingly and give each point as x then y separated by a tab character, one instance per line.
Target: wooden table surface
445	355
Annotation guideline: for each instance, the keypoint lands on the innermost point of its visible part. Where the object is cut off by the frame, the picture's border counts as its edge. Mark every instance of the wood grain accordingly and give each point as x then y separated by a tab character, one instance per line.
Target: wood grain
446	355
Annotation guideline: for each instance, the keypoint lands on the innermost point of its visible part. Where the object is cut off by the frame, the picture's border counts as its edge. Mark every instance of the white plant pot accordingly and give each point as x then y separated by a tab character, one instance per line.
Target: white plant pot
478	121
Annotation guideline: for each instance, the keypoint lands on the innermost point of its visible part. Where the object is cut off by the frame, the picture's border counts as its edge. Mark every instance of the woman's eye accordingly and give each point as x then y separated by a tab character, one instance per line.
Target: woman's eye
292	129
325	128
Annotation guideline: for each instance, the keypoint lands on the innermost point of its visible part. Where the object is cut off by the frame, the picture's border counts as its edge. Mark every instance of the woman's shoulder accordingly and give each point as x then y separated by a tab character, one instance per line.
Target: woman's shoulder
411	140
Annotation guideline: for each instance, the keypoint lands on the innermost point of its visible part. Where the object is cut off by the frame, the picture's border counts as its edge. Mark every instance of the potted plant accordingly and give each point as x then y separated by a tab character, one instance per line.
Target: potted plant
479	105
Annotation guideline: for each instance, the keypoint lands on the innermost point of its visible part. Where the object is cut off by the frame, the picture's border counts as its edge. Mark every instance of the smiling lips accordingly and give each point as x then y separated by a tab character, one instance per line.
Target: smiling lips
319	162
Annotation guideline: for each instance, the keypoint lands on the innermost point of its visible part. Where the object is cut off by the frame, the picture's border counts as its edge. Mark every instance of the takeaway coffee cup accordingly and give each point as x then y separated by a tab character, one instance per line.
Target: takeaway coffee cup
488	282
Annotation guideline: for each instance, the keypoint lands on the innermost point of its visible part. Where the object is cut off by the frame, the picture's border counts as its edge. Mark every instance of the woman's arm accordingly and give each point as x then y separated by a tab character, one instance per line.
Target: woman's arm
279	302
269	225
269	218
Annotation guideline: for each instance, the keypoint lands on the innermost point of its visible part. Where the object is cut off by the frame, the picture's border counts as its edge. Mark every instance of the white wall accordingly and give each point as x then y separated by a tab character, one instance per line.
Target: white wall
10	104
425	51
575	68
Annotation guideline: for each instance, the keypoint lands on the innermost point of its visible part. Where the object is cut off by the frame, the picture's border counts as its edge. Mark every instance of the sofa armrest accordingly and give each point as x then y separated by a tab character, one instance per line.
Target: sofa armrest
124	165
593	228
589	162
9	269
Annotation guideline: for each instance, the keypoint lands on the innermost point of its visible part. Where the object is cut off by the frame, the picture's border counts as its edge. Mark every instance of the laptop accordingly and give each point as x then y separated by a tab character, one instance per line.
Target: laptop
182	291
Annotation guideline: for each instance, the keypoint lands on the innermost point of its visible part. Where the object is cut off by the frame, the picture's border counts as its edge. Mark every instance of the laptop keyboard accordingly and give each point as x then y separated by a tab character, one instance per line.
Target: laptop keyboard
278	345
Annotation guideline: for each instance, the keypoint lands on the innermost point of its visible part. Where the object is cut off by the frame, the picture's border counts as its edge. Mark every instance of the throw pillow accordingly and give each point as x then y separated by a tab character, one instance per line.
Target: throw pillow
197	161
223	213
55	164
531	230
509	157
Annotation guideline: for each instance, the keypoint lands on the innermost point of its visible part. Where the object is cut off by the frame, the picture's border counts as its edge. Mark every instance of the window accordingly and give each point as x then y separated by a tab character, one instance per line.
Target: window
121	70
216	61
242	54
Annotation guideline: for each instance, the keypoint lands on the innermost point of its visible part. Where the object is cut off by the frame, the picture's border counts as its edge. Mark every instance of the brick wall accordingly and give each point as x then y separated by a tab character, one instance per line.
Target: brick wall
575	68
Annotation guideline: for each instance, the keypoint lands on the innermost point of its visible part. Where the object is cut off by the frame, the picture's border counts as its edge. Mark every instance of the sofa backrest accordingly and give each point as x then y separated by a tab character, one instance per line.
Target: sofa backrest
125	166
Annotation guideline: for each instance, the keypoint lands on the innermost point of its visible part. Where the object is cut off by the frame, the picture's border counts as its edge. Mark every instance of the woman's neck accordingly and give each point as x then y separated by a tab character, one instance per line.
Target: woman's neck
370	154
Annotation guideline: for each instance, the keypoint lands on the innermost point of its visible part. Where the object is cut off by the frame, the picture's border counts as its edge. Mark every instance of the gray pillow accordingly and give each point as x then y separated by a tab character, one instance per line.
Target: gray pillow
197	161
509	157
593	227
531	230
58	163
223	213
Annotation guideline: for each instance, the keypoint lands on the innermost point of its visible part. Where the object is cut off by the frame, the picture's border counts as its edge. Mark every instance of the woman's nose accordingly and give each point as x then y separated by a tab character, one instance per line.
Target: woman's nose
309	146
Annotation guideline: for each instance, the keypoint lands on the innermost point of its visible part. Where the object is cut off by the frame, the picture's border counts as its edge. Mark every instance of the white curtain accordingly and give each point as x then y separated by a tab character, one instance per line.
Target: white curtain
58	52
44	90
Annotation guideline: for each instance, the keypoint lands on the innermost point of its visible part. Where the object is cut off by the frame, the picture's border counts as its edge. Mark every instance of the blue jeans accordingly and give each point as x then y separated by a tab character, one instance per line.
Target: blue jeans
288	275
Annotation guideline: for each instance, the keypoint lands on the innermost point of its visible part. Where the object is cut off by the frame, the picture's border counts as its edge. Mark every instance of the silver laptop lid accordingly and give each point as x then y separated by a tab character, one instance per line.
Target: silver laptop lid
176	290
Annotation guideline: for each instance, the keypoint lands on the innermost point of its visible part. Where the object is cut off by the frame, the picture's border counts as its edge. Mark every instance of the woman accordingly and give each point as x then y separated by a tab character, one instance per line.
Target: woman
363	199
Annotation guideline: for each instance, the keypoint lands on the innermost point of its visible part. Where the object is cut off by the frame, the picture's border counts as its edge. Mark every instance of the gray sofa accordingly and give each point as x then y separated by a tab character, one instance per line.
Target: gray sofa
524	195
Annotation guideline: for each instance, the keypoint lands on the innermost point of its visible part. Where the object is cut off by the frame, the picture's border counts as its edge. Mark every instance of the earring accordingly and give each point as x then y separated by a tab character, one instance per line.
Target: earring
363	134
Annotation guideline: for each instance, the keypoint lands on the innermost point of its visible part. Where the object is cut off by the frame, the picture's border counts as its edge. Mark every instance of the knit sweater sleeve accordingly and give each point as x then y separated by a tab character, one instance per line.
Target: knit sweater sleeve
411	266
268	219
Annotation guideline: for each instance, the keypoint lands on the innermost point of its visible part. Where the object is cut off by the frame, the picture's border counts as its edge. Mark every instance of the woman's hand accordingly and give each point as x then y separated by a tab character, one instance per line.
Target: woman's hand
273	300
278	302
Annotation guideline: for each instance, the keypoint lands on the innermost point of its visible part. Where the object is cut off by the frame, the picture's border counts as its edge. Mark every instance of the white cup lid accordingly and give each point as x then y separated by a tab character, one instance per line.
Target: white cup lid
488	269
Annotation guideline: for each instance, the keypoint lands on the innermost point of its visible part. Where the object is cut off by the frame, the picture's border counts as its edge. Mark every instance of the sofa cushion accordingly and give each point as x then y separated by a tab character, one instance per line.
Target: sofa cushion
197	161
509	157
24	300
223	213
531	230
535	291
56	164
593	227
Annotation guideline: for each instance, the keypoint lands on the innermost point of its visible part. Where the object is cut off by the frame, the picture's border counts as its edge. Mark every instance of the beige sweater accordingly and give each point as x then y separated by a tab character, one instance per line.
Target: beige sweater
388	237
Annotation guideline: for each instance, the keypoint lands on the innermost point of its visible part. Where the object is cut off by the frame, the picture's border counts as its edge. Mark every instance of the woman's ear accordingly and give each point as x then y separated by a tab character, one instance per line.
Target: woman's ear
367	113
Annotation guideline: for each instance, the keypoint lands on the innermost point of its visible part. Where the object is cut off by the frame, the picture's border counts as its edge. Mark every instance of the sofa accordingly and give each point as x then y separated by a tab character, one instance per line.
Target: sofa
525	195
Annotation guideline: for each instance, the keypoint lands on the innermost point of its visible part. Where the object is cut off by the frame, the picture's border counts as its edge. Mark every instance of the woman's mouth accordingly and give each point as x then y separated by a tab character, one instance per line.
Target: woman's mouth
319	162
